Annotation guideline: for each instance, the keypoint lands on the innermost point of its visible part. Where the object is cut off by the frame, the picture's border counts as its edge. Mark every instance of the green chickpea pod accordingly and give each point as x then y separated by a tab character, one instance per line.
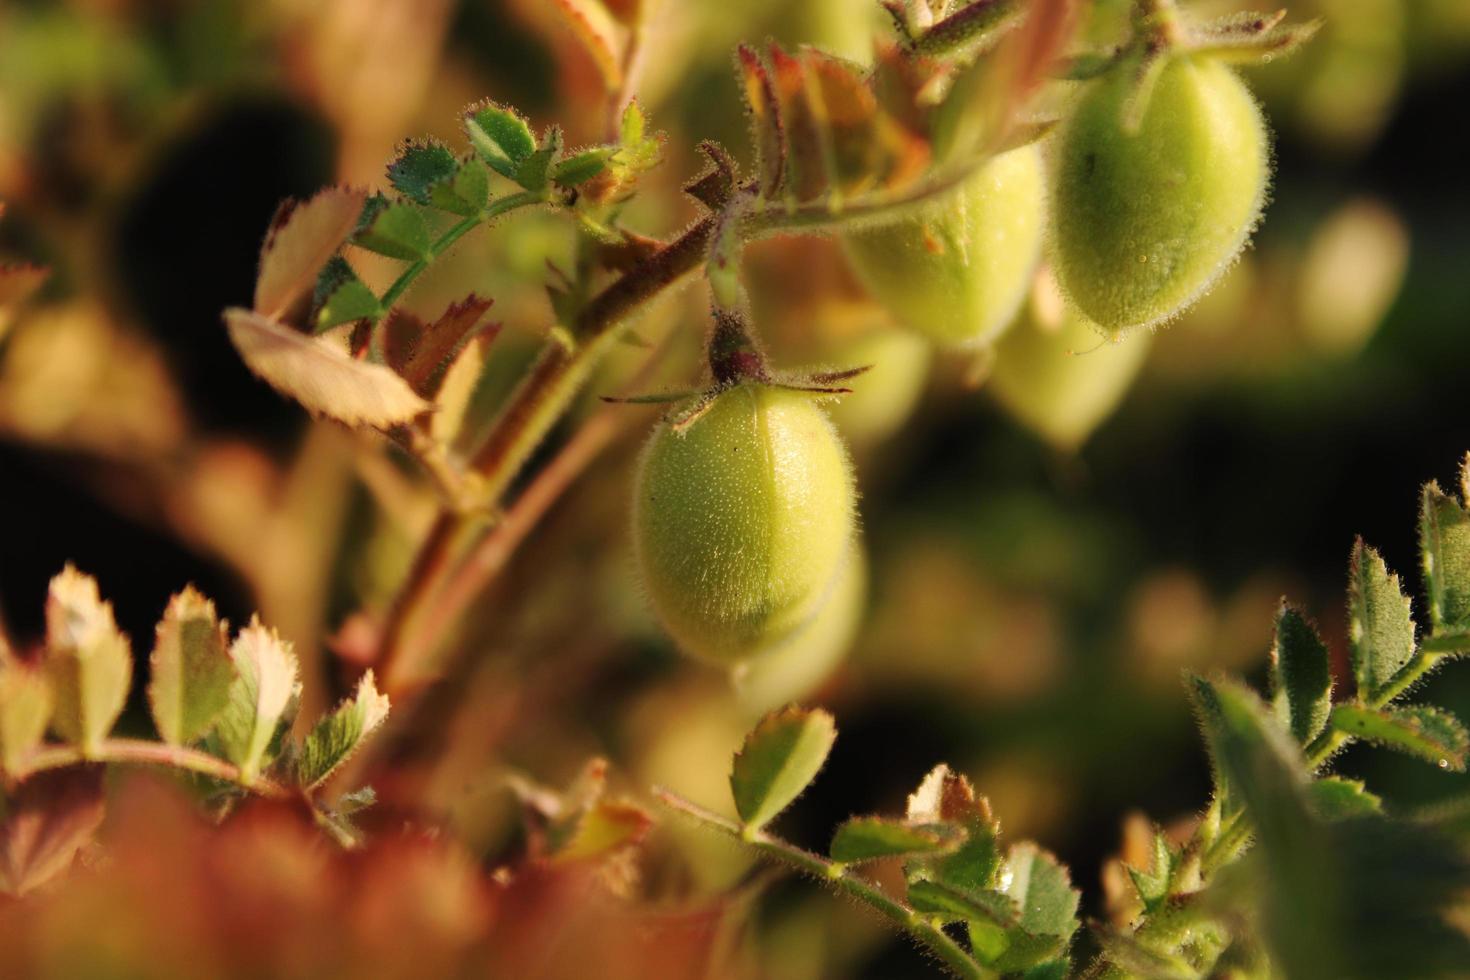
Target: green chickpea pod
742	519
1145	221
958	270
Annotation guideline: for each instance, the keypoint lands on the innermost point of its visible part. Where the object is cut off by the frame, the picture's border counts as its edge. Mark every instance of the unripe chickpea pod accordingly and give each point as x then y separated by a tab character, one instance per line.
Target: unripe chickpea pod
742	519
1145	221
958	270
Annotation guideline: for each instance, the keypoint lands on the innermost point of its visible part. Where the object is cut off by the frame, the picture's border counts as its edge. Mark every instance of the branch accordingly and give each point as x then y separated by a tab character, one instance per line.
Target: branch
939	942
141	752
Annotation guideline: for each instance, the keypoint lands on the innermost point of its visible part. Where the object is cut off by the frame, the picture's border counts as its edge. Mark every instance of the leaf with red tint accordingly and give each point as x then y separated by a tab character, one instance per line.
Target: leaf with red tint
420	353
302	238
51	816
767	129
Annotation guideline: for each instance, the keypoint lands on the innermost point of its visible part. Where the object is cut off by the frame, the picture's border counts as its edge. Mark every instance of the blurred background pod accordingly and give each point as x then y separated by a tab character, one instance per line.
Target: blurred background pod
795	668
957	270
1057	375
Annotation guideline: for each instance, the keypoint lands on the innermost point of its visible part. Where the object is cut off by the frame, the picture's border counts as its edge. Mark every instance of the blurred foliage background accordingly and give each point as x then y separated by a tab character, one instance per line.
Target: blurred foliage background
1034	592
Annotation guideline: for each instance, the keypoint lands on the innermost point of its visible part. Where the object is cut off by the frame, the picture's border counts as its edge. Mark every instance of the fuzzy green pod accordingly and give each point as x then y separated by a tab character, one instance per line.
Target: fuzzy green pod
1145	222
958	270
742	519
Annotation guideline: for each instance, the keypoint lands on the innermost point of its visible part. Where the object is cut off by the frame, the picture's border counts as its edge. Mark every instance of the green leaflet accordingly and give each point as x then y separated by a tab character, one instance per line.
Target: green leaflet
1301	676
780	757
261	698
336	736
1380	622
1420	730
89	662
191	670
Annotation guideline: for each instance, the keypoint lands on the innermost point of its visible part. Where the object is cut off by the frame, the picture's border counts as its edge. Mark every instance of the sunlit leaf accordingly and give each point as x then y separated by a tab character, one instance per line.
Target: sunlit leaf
338	735
301	239
1444	541
1337	798
780	757
603	829
419	167
340	297
946	796
320	375
191	670
25	709
266	686
1301	676
500	135
89	661
397	230
1042	890
1380	621
872	838
1430	733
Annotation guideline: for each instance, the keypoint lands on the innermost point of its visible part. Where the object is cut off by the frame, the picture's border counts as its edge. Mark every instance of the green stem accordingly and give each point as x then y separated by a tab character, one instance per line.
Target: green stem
1424	661
451	235
980	21
900	914
141	752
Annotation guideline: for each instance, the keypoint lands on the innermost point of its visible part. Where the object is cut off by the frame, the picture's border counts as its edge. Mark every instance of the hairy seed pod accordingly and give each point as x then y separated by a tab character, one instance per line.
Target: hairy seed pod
741	520
1144	222
958	270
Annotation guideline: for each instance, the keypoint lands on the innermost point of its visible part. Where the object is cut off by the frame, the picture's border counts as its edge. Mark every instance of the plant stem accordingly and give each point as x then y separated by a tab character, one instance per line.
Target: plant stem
1423	662
982	19
451	235
899	913
141	752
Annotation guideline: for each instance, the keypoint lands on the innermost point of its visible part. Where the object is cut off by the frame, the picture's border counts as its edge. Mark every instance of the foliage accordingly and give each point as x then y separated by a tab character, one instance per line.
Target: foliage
885	207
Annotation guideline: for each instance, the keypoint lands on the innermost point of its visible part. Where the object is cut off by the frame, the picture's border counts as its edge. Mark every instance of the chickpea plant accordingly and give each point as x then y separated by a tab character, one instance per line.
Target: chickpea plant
979	146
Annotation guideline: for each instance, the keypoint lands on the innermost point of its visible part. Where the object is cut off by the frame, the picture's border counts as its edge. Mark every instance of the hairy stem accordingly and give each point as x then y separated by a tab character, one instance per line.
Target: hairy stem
141	752
451	235
939	942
